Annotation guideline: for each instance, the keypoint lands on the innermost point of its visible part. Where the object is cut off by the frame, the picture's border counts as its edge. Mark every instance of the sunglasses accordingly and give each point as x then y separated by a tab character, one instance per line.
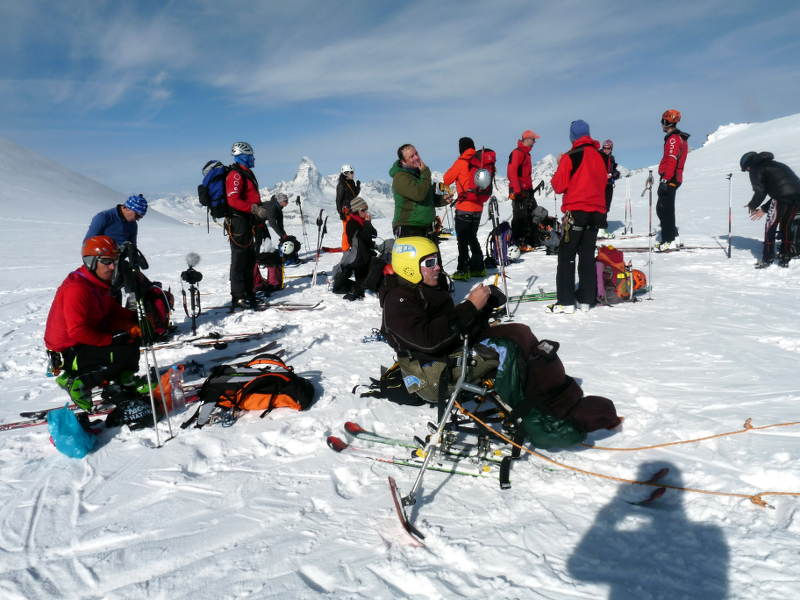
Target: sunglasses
429	263
107	260
665	122
348	172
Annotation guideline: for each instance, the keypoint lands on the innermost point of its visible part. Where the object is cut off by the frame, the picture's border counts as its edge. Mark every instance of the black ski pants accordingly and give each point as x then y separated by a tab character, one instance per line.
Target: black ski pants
96	364
523	231
780	215
241	227
470	256
609	197
665	209
581	243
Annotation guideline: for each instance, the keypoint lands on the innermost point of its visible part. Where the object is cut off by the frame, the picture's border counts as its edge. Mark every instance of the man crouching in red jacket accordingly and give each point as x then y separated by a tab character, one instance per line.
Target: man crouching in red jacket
96	339
581	176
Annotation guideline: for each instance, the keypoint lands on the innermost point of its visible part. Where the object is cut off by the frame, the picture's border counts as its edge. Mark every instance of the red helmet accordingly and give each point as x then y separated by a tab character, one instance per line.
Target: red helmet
97	246
671	117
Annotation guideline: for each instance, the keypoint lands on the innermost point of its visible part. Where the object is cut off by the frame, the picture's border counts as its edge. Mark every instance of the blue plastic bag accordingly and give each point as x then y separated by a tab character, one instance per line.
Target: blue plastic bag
68	435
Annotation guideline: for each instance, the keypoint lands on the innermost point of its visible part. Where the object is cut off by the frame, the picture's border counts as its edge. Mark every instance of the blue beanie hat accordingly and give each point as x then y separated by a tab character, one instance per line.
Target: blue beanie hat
248	160
578	129
137	204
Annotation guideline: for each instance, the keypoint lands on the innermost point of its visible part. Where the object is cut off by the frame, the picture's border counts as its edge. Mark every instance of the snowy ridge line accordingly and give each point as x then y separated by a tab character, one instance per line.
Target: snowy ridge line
748	426
756	499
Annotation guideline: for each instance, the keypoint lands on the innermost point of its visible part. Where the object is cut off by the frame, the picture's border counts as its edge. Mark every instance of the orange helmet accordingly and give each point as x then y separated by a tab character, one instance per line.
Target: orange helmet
639	279
670	117
97	246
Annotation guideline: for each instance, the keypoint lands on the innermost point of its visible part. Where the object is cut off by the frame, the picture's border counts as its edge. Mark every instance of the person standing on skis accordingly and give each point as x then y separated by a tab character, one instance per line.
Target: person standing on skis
88	334
778	181
581	176
613	175
670	169
244	202
346	191
520	192
469	208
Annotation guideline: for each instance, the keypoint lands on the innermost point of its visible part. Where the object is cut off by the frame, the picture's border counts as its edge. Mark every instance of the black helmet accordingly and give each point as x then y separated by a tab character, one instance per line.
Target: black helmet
747	160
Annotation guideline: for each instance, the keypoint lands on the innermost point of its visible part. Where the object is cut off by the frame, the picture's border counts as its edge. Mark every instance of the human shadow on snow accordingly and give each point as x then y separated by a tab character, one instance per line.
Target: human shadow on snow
652	551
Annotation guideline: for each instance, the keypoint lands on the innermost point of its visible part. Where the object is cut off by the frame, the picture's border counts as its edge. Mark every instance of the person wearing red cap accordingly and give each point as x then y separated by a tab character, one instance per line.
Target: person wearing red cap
520	191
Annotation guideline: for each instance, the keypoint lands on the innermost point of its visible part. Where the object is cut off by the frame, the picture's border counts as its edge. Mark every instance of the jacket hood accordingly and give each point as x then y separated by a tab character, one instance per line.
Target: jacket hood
586	140
468	153
683	134
397	167
763	157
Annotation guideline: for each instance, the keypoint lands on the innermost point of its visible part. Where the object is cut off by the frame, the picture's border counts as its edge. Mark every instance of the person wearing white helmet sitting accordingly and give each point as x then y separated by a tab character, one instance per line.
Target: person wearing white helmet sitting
347	189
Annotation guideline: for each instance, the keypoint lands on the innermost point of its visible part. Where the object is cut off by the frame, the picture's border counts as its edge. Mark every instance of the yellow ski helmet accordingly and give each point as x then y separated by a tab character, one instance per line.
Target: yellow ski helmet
406	254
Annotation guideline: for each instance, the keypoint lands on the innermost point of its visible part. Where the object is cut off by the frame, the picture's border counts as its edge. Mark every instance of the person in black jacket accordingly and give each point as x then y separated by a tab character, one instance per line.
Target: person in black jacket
346	190
425	327
613	175
358	258
776	180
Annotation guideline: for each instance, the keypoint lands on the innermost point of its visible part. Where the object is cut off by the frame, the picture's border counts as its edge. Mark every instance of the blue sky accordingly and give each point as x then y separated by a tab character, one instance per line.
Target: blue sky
139	95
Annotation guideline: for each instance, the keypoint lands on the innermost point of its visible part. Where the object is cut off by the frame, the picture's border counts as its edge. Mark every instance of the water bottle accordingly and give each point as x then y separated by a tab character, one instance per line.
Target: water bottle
176	385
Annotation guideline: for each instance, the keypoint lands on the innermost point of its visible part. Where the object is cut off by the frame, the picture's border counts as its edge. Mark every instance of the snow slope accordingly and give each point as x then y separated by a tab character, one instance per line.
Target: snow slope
265	510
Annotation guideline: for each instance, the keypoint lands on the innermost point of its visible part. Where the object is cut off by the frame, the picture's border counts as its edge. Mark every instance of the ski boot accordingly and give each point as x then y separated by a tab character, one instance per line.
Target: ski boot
565	309
78	392
478	273
460	276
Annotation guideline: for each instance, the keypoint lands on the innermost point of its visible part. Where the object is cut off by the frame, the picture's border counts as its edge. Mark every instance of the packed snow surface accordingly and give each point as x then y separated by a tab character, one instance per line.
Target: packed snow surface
265	509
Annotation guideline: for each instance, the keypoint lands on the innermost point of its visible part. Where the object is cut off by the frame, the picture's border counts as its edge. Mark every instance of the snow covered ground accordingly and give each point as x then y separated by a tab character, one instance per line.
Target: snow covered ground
265	510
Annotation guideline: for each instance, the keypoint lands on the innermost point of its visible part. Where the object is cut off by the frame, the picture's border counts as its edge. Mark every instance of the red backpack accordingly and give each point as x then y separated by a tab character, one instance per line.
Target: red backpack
485	158
615	278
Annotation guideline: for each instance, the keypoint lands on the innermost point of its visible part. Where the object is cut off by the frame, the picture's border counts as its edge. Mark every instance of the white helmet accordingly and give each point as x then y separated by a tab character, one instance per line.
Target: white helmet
513	253
348	169
483	179
241	148
287	247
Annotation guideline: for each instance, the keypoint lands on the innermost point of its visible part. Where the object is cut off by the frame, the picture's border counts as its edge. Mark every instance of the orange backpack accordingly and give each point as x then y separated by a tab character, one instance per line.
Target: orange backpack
615	277
263	383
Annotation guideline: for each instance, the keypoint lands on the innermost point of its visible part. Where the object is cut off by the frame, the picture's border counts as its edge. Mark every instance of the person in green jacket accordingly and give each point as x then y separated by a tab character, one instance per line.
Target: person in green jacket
415	200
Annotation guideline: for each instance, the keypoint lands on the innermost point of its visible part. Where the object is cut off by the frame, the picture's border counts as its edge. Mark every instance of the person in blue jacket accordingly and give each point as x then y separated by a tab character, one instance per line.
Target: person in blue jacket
119	223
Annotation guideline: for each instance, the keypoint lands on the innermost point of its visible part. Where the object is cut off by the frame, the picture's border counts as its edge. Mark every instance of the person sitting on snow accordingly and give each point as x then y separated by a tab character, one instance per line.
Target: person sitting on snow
88	334
121	222
358	259
425	327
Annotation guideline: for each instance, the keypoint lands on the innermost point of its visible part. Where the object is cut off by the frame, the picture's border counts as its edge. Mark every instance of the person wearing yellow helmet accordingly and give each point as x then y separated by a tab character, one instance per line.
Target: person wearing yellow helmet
425	327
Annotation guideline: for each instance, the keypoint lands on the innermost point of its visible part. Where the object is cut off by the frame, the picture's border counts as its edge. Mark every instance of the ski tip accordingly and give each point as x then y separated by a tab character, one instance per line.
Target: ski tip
354	428
336	444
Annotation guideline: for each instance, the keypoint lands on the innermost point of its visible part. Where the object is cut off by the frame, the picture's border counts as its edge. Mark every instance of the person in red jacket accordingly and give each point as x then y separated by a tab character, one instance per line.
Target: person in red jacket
88	333
581	176
520	191
244	201
469	208
670	169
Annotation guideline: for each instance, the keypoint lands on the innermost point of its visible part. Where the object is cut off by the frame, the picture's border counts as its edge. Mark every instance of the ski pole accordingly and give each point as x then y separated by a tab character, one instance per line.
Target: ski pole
494	214
730	213
323	231
302	220
648	187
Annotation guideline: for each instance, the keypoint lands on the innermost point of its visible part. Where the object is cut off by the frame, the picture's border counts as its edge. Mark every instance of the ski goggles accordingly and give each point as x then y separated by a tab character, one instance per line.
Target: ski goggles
429	263
107	260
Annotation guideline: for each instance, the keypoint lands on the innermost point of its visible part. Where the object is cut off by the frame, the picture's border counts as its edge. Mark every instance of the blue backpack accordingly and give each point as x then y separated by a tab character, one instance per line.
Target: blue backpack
495	256
211	192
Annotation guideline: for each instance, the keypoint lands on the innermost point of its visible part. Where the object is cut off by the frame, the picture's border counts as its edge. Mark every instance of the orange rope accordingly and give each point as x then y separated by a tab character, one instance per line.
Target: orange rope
756	499
748	426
